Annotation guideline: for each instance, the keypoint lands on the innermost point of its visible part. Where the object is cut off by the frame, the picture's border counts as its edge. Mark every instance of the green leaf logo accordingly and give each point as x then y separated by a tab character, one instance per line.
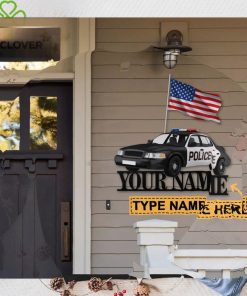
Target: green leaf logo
8	9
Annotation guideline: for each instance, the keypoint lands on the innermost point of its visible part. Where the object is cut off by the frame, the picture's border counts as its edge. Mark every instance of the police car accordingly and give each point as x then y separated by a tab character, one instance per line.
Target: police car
174	150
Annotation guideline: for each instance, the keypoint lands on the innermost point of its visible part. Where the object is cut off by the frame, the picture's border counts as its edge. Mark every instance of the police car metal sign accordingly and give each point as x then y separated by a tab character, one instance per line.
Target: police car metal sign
185	181
170	152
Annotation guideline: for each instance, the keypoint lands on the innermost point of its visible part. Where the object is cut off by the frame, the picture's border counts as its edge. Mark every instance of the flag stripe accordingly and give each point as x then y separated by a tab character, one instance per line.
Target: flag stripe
199	95
207	100
211	95
201	117
188	110
199	101
197	116
191	107
196	105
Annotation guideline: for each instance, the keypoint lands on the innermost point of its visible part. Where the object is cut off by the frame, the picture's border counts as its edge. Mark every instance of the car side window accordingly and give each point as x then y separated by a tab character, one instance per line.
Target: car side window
177	140
194	141
205	141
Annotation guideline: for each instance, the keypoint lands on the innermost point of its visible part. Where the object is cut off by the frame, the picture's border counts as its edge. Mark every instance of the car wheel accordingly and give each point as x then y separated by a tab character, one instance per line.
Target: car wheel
220	168
174	166
132	169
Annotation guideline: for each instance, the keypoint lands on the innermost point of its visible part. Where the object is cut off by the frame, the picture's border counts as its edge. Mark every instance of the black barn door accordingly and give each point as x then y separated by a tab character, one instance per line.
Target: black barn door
36	180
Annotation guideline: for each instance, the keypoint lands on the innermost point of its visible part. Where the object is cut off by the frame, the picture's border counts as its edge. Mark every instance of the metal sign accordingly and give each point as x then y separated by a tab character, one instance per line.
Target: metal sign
29	44
185	181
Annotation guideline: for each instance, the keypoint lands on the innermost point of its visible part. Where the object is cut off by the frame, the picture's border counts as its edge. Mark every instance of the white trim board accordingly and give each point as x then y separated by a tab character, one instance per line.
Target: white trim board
211	259
23	77
82	148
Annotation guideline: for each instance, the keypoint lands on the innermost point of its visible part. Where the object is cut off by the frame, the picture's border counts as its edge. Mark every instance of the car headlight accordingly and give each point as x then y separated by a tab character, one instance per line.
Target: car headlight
120	152
155	155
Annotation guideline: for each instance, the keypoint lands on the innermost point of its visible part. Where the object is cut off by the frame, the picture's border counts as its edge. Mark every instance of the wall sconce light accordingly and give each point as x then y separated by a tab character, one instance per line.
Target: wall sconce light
173	49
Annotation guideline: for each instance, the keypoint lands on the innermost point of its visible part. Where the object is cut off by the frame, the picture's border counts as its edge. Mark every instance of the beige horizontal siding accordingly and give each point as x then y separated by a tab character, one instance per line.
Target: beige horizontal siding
214	238
124	220
126	35
104	193
110	126
238	75
157	71
160	84
243	86
218	34
114	260
220	225
199	48
117	247
110	233
125	47
219	48
122	35
137	58
129	88
155	58
109	23
158	112
155	99
154	71
213	23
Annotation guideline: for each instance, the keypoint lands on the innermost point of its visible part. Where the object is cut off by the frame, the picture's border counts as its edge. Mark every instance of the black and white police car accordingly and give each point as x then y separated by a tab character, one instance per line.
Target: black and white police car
174	150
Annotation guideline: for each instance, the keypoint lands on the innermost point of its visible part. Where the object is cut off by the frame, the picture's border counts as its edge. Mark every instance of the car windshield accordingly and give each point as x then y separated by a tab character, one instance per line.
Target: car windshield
172	139
160	139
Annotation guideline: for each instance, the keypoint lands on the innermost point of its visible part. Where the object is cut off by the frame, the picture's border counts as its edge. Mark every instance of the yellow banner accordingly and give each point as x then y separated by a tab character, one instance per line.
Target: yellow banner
188	205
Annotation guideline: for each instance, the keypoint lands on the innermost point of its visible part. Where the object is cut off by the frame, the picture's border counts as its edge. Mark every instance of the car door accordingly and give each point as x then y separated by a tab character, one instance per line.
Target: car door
212	150
194	151
207	149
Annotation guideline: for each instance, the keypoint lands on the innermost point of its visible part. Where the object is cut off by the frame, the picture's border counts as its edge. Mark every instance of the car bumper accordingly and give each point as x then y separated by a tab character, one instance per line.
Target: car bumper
143	163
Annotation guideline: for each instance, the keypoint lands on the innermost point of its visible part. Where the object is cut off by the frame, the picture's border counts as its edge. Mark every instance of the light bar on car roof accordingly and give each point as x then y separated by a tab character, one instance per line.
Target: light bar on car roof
174	130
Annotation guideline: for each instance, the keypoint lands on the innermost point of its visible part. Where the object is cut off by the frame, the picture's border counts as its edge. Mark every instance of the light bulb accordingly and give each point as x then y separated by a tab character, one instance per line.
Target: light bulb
170	59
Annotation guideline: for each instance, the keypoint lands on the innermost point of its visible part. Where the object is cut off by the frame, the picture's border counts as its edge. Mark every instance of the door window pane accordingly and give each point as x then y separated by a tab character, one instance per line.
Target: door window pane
43	123
10	125
26	66
194	141
205	141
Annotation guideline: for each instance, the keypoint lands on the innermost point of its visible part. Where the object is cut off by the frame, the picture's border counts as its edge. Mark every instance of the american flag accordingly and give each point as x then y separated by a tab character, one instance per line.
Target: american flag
200	105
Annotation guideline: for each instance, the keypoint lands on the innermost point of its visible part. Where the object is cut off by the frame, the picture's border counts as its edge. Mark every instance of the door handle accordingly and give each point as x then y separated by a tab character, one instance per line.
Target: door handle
66	240
65	231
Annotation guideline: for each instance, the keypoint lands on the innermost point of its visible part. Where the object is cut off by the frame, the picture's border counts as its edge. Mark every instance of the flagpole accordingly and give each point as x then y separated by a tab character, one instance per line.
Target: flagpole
167	100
